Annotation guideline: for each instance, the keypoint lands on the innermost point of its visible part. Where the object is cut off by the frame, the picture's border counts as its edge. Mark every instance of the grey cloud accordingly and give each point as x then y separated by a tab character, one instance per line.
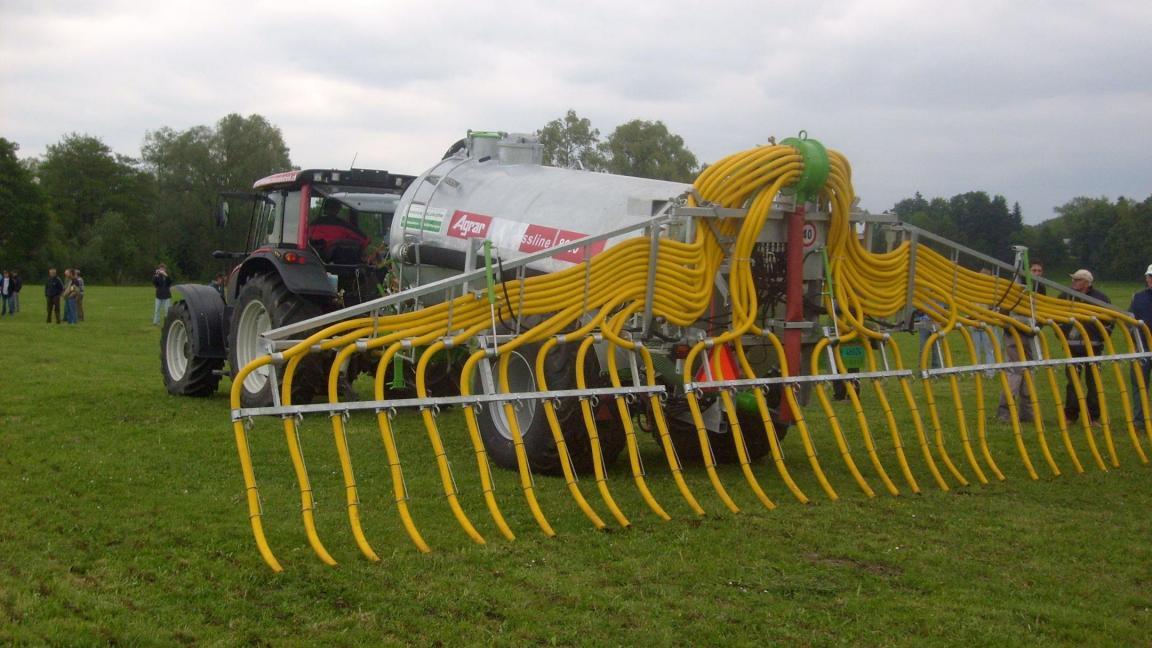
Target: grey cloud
1038	101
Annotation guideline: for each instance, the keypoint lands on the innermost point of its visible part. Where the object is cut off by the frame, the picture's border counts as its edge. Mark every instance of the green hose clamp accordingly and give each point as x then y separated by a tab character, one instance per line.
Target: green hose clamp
746	402
816	166
397	373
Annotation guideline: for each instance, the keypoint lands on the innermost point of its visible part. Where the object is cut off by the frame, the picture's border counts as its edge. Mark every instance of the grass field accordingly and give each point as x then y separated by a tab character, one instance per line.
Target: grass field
122	520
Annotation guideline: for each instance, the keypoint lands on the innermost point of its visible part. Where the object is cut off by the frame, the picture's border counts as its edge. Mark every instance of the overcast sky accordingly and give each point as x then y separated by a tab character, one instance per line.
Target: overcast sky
1038	101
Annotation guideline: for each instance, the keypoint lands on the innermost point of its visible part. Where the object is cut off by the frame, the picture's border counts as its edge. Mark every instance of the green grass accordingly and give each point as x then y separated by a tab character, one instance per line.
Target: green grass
122	520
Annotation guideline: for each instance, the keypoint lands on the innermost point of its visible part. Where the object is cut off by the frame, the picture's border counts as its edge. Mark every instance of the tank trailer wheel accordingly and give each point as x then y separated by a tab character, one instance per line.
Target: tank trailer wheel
682	433
543	457
184	373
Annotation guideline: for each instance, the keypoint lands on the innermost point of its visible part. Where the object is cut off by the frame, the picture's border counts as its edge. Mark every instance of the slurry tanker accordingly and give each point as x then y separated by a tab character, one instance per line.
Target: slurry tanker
565	313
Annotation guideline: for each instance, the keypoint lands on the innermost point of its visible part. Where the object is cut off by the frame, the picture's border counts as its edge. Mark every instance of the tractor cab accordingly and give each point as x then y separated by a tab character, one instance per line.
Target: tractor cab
324	231
316	242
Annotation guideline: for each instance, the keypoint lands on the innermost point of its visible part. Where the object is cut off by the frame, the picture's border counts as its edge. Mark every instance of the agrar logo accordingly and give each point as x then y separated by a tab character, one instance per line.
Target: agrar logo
468	225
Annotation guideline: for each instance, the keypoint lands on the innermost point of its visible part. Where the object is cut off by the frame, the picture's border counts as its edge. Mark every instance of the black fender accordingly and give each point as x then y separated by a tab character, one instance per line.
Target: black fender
304	278
209	323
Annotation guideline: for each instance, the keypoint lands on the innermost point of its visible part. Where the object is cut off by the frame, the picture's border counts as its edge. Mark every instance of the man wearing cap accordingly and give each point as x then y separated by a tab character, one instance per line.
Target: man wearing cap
1141	307
1082	283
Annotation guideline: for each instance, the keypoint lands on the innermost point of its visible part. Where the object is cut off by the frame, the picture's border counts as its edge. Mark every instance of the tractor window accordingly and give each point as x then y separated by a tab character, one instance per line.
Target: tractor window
291	219
264	219
277	221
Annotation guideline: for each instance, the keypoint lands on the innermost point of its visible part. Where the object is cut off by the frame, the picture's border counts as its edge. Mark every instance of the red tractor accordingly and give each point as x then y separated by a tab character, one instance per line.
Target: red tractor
317	242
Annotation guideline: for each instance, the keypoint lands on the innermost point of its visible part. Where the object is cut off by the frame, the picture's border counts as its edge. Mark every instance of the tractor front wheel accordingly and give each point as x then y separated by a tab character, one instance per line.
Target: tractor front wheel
185	374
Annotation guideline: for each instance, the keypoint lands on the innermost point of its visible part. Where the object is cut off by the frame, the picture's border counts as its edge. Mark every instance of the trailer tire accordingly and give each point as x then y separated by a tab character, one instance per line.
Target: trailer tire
265	303
687	443
539	445
185	374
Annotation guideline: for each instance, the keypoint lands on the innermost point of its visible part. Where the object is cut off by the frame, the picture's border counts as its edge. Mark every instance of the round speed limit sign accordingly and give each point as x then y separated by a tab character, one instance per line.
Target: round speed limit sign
809	235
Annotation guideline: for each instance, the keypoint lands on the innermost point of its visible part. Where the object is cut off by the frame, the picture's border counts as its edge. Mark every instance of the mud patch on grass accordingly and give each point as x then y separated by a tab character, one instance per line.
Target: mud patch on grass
874	567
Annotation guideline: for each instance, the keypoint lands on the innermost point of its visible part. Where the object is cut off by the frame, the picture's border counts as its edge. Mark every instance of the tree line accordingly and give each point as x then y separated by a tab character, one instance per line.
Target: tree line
115	216
1105	236
83	205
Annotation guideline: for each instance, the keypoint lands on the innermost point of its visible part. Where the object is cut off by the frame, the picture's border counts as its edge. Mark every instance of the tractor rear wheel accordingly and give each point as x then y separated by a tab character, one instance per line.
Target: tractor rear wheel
539	444
265	303
185	374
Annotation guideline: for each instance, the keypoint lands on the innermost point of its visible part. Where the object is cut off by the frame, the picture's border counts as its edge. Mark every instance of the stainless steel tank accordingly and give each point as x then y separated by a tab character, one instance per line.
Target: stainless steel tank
496	188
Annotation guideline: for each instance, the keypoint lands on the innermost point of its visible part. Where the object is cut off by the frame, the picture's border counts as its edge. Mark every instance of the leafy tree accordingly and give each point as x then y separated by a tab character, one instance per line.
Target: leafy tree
571	142
191	167
1127	241
1087	222
247	149
933	216
1046	244
648	150
115	252
972	219
24	213
84	181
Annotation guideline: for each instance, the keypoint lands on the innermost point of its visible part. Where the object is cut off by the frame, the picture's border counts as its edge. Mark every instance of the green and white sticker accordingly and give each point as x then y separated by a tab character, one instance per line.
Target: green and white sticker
852	355
420	218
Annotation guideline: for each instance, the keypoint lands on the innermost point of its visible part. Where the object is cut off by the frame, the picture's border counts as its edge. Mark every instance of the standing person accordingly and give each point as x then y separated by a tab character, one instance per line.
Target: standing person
1012	353
17	284
71	294
1141	307
6	294
53	288
163	284
924	325
1082	283
69	297
1037	270
218	284
80	293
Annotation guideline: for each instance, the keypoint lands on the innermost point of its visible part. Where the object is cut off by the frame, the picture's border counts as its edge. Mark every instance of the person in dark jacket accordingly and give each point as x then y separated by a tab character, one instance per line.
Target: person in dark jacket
79	281
1082	283
17	284
6	294
1141	307
163	284
53	288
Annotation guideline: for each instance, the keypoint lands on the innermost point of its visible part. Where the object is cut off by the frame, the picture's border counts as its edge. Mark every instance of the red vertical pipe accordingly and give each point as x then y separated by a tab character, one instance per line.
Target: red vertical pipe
794	297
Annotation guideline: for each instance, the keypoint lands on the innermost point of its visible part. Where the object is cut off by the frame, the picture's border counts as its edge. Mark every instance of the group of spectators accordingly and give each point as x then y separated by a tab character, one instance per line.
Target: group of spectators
70	290
1085	338
10	285
1083	345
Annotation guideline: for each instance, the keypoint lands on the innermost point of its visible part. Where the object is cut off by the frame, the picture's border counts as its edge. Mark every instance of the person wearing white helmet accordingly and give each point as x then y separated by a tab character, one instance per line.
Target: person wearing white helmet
1141	307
